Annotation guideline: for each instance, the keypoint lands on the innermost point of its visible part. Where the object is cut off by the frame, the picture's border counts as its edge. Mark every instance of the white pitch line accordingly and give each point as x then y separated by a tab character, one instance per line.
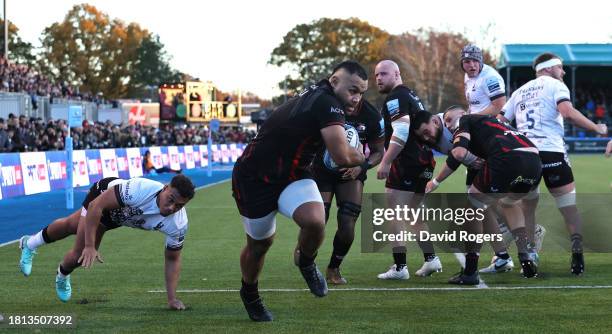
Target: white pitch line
9	242
536	287
212	184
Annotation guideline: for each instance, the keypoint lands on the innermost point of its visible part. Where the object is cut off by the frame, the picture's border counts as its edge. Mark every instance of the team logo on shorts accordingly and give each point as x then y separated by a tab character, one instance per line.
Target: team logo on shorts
523	180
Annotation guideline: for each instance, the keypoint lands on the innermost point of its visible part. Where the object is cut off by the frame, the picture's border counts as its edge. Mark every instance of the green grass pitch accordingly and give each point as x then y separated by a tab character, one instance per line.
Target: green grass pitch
115	297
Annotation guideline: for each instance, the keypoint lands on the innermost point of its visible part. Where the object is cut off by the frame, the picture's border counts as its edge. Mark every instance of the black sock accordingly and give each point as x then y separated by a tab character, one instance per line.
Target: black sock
576	243
46	236
305	260
399	256
521	239
64	271
503	255
341	248
429	256
250	291
471	263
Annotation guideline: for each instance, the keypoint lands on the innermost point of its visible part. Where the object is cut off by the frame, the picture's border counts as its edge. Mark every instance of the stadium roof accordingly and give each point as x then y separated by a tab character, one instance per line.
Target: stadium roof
572	54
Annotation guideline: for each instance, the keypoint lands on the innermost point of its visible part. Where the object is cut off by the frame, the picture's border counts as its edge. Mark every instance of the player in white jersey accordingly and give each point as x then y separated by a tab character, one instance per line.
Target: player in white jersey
138	203
485	90
485	93
539	107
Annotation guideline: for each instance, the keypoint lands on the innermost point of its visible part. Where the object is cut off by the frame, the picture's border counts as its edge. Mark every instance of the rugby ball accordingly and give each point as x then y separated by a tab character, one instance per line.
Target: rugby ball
352	138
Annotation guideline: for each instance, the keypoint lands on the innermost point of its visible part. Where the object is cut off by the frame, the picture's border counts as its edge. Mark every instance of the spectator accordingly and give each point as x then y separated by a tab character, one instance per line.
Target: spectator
148	166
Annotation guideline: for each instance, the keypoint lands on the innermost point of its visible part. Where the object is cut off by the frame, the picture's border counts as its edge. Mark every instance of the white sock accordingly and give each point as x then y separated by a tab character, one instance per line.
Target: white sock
59	273
35	241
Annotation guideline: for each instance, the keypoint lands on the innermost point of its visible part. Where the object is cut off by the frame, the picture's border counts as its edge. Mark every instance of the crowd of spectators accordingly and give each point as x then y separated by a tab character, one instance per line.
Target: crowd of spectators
20	134
20	78
595	103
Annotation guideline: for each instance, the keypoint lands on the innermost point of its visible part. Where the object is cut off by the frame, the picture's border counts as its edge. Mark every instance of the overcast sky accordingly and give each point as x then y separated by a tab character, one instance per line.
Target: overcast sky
229	42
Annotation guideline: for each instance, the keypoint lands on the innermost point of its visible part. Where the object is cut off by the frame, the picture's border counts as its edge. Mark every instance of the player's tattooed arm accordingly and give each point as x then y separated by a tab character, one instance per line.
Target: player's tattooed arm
106	201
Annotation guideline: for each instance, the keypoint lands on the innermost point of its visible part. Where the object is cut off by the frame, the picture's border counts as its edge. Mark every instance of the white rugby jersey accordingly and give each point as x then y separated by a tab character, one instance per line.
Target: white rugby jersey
445	142
534	106
138	200
481	90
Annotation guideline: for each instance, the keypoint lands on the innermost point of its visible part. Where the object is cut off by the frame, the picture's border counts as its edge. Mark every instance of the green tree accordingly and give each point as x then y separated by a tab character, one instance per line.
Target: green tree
19	51
311	50
152	67
91	51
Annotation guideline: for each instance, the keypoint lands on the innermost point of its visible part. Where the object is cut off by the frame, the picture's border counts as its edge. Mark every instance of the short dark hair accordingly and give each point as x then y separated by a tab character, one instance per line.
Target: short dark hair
352	67
183	185
419	119
546	56
451	108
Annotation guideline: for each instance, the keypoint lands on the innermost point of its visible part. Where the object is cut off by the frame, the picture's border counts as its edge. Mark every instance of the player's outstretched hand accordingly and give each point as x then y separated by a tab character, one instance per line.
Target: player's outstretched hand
431	186
176	305
609	149
383	171
88	256
602	129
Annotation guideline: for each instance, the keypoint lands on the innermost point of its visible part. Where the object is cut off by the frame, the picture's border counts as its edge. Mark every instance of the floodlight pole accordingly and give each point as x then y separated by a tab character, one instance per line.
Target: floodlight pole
5	33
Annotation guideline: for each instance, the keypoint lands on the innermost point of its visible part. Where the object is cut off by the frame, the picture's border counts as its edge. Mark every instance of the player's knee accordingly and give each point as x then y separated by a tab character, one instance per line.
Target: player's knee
349	209
259	248
310	216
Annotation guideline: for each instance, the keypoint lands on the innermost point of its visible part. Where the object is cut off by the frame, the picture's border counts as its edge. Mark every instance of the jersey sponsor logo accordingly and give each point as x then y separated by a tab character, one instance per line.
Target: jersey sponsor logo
126	195
393	107
474	102
493	85
336	110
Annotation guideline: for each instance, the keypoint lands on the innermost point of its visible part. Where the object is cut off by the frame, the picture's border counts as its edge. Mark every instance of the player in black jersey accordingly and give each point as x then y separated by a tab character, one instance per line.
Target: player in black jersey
347	183
273	175
512	168
407	164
